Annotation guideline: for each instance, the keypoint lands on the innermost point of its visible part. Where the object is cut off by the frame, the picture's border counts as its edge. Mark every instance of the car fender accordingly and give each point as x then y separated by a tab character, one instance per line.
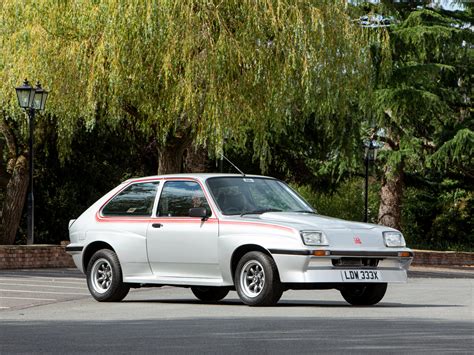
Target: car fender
130	247
230	243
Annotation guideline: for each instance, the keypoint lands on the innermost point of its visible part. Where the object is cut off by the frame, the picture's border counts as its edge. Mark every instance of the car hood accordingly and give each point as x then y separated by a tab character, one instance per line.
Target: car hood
309	220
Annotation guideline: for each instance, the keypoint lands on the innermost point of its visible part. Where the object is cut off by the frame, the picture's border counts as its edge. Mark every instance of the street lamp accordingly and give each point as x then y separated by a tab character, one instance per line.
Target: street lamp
370	155
32	100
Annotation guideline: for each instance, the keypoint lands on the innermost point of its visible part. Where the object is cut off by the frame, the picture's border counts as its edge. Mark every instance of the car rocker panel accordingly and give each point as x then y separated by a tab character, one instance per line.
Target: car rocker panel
252	233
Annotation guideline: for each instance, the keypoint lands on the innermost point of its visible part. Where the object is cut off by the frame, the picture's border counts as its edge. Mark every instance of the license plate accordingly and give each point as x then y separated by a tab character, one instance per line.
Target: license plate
361	275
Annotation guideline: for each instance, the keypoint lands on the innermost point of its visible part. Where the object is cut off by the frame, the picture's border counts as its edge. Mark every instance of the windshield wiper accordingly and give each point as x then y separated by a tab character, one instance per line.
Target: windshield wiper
260	211
304	211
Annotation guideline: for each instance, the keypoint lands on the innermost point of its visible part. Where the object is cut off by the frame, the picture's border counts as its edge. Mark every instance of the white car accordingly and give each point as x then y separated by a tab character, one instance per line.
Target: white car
220	232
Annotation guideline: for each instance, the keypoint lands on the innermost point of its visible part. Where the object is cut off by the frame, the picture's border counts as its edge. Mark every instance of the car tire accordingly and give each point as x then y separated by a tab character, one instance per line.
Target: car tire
364	294
210	294
104	277
257	281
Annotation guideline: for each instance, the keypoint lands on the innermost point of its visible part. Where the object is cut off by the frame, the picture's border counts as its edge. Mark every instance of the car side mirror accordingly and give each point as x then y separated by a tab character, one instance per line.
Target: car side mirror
198	212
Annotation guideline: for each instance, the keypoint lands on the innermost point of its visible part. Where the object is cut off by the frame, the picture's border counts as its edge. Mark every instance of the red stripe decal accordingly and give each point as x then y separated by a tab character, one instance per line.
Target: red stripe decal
257	224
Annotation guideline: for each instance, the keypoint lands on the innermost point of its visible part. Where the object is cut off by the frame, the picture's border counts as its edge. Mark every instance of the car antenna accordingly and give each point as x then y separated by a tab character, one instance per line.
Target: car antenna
235	166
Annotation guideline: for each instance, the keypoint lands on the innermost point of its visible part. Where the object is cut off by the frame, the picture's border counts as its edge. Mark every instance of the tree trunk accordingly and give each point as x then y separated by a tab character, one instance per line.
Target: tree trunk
170	156
391	195
170	161
196	160
14	201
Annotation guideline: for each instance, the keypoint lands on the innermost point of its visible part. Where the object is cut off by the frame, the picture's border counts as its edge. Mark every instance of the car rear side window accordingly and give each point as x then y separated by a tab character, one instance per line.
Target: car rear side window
135	200
178	197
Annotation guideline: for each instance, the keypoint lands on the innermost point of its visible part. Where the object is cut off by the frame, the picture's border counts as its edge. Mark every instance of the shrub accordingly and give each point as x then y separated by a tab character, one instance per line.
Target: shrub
346	201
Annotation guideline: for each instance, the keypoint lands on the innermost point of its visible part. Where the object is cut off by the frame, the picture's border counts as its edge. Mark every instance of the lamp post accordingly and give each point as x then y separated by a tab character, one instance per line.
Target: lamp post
32	100
372	21
370	155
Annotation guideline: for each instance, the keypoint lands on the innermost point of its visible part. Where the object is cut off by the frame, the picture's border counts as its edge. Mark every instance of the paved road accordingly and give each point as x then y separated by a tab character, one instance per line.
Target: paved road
27	288
50	311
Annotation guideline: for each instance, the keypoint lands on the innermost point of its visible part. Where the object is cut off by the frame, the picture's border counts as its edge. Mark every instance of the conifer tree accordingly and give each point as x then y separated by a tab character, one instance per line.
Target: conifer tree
423	101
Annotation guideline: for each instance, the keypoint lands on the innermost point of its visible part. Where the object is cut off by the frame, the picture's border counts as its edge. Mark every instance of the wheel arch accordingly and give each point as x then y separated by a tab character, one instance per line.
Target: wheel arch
91	249
241	251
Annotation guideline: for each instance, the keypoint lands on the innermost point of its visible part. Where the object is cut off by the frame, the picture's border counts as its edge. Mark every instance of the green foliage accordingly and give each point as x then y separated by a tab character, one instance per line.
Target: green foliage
207	69
439	217
436	216
185	70
430	81
101	159
346	201
422	108
458	153
292	85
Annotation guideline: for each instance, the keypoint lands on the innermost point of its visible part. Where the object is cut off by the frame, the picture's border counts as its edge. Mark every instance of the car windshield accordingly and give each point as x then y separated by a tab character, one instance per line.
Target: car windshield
243	195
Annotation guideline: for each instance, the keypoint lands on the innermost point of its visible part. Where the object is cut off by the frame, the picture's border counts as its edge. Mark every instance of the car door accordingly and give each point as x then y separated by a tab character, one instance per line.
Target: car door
180	246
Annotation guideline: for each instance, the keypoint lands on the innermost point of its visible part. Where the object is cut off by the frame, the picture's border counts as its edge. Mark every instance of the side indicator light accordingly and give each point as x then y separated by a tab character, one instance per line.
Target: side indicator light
404	254
321	252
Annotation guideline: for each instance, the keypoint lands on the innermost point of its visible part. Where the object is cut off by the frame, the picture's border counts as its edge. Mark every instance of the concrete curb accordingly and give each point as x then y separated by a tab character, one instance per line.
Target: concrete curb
55	256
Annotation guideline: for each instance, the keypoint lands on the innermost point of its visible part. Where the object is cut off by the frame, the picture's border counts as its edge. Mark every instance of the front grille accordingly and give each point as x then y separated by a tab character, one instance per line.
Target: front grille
355	262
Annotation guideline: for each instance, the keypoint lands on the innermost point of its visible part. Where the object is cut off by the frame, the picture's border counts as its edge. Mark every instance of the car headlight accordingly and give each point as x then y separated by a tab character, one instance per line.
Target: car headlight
314	238
394	239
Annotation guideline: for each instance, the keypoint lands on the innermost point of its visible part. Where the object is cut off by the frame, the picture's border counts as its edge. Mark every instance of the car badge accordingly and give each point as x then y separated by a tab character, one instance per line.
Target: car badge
357	240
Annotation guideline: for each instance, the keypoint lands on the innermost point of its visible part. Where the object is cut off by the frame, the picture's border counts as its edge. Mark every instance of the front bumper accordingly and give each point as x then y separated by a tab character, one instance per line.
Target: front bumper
304	267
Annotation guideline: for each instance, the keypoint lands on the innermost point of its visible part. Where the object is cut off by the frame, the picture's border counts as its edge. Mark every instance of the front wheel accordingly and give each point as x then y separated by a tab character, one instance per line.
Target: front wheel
364	294
257	281
104	277
210	294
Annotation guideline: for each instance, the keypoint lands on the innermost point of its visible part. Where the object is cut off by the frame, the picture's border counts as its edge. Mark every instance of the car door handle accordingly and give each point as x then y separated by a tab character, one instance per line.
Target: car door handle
157	225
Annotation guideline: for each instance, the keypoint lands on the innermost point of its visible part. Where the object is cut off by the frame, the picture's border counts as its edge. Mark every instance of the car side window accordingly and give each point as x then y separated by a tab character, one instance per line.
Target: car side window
135	200
177	197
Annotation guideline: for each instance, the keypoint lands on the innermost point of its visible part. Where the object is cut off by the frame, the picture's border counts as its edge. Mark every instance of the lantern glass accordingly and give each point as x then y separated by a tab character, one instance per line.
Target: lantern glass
43	100
371	151
40	96
25	95
372	154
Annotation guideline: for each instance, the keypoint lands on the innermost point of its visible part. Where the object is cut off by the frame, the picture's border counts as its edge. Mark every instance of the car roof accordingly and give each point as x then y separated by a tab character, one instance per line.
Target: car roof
199	176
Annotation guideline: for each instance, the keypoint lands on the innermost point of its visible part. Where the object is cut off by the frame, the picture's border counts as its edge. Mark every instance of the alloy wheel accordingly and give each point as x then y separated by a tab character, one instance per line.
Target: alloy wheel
101	275
252	278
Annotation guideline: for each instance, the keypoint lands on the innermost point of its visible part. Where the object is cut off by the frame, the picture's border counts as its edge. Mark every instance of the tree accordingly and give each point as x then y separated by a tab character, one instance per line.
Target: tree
186	74
423	100
187	71
14	182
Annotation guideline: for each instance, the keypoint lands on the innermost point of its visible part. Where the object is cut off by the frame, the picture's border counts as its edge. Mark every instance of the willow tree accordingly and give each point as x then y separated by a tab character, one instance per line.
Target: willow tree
188	73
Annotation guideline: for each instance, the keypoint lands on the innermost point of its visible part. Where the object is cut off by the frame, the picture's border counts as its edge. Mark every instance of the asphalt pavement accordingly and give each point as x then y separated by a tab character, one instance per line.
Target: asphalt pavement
51	311
27	288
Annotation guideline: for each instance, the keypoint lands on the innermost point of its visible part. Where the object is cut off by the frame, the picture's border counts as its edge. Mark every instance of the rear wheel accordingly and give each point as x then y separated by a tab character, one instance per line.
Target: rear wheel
257	281
364	294
210	294
104	277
